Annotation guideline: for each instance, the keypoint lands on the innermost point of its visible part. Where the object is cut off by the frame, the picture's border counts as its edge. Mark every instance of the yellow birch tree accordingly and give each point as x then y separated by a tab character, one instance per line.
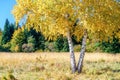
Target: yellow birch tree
98	19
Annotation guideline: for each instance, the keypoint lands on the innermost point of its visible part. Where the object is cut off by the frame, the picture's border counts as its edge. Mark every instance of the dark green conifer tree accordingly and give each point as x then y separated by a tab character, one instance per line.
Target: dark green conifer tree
6	33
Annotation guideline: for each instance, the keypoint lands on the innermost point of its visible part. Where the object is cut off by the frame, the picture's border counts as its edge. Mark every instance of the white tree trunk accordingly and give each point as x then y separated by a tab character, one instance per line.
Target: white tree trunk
82	53
72	56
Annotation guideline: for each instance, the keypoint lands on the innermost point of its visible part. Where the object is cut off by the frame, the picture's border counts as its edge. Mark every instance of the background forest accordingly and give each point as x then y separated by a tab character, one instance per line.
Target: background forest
21	39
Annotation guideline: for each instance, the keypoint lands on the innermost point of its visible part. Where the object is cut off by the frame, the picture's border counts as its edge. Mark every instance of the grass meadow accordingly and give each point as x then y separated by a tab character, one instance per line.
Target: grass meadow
56	66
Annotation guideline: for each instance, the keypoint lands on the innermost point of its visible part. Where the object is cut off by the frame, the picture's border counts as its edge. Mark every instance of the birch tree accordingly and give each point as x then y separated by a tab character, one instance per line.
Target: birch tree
97	19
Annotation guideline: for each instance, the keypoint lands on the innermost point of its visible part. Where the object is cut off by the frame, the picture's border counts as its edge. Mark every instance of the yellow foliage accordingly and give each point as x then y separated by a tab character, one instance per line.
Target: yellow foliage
55	17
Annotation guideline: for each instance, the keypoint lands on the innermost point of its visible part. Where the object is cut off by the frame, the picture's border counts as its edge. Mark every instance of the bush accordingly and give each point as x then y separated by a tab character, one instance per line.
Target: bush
28	47
31	44
7	46
24	48
31	47
49	46
111	47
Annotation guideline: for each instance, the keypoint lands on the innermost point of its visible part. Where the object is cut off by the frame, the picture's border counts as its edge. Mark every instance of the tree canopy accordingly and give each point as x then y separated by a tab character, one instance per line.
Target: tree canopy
56	17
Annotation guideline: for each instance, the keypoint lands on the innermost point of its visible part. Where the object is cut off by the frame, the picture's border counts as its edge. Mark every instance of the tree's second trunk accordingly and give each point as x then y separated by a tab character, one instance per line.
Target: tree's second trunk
72	56
82	53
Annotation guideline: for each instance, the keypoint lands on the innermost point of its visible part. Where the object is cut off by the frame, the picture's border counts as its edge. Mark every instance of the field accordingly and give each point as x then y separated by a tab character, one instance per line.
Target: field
56	66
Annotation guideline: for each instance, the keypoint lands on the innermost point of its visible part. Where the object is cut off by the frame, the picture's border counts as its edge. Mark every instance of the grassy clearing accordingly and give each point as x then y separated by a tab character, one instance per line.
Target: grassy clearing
56	66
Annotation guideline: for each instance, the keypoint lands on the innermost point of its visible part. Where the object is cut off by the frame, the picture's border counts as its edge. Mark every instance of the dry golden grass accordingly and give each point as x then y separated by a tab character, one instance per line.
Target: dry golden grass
56	66
20	57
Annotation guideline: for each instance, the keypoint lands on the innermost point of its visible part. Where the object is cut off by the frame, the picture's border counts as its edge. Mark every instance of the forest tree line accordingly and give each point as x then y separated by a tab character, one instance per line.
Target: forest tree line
21	39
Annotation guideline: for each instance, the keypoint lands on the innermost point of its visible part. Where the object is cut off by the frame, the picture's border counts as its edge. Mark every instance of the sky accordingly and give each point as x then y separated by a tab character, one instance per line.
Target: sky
5	12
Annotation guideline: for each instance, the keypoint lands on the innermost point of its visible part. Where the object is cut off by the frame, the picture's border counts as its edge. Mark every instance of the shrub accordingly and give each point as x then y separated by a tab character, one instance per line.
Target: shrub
28	47
7	45
31	47
112	47
49	46
24	47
